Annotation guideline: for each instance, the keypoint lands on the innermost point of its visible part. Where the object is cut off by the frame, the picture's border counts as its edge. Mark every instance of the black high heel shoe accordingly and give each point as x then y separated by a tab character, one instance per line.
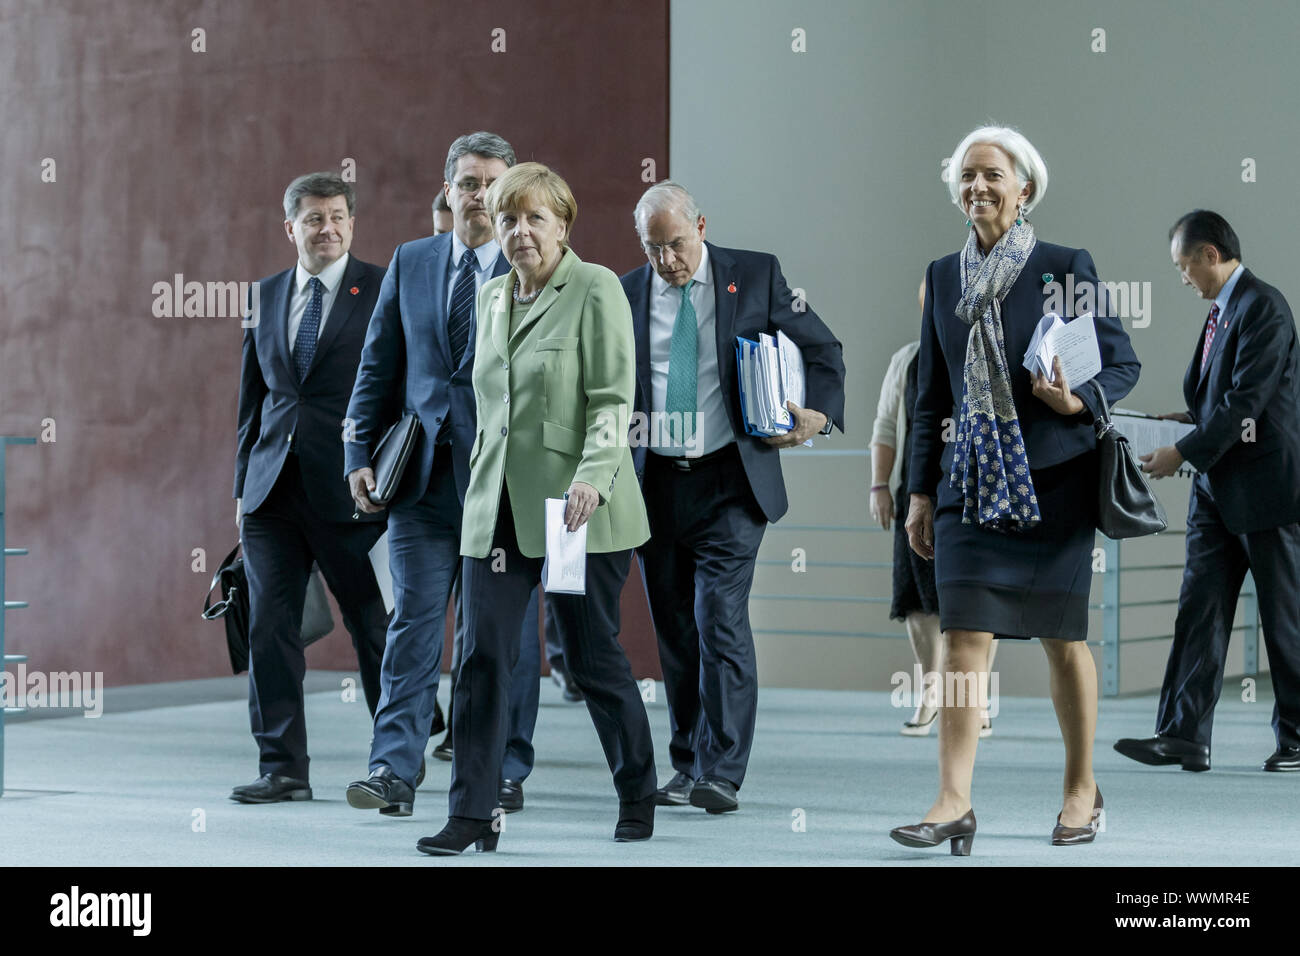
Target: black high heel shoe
1069	836
457	836
960	831
636	820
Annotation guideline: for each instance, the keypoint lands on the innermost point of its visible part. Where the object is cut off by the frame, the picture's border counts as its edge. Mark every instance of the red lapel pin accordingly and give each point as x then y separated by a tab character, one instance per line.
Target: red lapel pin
355	290
732	288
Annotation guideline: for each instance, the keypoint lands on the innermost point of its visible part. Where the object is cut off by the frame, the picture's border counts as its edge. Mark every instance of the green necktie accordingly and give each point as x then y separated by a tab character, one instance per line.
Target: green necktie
683	367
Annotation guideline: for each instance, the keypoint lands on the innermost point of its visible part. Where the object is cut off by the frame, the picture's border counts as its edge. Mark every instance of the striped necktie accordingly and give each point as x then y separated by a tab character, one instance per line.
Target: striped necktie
1211	324
304	343
462	309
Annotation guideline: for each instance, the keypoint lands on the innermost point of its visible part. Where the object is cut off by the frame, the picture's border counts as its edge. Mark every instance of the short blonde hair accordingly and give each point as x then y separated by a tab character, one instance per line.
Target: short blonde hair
1029	164
530	182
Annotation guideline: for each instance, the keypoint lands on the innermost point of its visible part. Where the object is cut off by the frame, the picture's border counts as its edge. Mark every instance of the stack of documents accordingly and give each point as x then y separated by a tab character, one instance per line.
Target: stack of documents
1074	343
771	373
1146	433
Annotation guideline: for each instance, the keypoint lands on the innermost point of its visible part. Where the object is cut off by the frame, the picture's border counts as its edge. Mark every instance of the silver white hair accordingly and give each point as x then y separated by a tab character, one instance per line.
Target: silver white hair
1029	163
662	196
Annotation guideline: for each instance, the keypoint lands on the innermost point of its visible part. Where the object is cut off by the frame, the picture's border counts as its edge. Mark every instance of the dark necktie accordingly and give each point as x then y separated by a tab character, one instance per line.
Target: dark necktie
304	344
1211	324
462	308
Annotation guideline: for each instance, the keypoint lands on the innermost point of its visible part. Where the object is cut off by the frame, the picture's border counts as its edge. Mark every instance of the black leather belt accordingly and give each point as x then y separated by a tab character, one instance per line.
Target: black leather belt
693	464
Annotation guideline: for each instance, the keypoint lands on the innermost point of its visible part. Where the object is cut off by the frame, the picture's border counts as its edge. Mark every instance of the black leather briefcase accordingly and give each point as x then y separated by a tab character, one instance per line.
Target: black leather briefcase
391	455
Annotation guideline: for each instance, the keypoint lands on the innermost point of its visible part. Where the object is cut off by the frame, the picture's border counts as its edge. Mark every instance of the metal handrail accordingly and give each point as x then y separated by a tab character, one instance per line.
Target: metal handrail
1111	606
7	605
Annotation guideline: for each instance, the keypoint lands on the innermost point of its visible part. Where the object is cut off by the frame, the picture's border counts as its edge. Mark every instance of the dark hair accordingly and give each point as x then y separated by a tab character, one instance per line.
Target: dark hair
440	202
1202	227
321	186
487	145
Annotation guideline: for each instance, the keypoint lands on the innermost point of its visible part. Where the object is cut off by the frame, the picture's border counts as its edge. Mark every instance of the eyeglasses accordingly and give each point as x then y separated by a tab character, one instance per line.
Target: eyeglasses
676	247
473	185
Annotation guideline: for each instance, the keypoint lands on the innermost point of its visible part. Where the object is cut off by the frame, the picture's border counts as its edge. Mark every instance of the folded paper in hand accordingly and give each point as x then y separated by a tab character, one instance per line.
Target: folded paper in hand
771	373
1074	342
564	570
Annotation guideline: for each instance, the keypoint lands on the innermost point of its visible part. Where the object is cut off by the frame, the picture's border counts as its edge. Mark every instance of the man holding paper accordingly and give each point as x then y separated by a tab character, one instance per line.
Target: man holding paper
1243	397
710	487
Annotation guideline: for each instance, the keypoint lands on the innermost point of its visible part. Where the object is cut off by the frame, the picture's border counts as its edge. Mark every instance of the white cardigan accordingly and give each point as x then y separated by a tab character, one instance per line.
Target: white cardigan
891	423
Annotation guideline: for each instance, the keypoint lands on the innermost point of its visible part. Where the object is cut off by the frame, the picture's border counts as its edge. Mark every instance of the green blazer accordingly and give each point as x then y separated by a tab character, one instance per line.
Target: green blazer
550	401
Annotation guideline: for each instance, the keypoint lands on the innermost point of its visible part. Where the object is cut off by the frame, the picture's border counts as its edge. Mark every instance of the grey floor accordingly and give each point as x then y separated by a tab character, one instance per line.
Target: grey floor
147	784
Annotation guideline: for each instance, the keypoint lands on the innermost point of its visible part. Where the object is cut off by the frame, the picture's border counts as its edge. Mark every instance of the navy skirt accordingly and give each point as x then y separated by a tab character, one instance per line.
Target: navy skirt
1022	584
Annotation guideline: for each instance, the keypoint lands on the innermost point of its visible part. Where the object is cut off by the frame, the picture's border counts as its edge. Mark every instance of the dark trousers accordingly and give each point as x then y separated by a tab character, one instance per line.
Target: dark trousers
1217	561
280	541
705	529
423	555
525	696
496	591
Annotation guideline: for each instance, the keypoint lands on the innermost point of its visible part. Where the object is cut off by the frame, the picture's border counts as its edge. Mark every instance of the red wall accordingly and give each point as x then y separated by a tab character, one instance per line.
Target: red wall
174	161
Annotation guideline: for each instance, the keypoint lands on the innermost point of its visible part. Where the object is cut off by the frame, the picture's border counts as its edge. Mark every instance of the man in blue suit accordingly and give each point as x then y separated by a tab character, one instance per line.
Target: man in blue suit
293	508
711	493
419	357
1243	395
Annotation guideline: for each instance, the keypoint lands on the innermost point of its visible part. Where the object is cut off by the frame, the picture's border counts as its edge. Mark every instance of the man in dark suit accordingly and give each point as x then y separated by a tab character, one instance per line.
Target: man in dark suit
292	505
420	350
711	489
1243	394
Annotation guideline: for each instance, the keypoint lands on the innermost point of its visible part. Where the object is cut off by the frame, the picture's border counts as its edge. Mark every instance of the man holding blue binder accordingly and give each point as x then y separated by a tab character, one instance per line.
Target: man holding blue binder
710	485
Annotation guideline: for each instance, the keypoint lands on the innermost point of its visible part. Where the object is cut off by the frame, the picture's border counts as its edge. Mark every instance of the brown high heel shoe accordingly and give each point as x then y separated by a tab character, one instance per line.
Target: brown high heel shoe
961	832
1069	836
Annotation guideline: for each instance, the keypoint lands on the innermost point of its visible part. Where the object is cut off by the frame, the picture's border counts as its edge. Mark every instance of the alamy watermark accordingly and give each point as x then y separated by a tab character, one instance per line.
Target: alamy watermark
207	300
948	689
1112	300
57	690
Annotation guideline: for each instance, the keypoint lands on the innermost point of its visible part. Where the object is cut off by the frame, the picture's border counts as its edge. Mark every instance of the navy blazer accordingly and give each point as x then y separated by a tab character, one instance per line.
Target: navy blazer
406	366
1050	438
1251	374
276	409
761	302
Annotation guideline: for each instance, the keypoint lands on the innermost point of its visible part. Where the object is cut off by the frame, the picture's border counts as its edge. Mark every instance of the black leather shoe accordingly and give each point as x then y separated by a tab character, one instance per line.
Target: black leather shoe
960	831
675	793
457	836
636	820
443	750
714	794
271	788
565	682
439	721
383	791
1283	759
511	795
1158	751
419	777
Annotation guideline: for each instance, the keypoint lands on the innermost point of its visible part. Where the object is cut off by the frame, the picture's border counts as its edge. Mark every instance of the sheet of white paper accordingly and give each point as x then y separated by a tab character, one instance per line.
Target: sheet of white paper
383	576
1045	325
564	570
1075	343
1145	435
791	368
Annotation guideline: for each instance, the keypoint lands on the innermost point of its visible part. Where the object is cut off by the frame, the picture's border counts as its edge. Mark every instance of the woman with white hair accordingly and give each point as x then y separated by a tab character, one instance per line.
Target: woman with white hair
1003	478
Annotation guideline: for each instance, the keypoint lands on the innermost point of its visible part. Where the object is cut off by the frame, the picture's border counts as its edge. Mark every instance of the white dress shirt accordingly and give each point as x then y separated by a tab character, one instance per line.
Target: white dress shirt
331	277
713	427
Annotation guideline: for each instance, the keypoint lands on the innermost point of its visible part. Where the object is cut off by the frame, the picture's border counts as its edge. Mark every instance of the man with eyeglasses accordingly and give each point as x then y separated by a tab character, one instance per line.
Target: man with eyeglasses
419	357
710	489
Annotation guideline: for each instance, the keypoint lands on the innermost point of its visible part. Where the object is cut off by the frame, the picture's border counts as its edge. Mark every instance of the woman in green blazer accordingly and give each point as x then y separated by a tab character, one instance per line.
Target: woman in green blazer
554	372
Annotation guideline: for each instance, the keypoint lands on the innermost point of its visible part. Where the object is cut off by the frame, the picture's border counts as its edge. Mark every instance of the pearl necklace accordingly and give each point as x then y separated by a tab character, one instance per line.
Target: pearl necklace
524	299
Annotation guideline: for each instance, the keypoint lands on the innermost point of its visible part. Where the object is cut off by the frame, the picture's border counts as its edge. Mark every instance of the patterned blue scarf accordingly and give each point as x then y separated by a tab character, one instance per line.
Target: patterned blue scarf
989	463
